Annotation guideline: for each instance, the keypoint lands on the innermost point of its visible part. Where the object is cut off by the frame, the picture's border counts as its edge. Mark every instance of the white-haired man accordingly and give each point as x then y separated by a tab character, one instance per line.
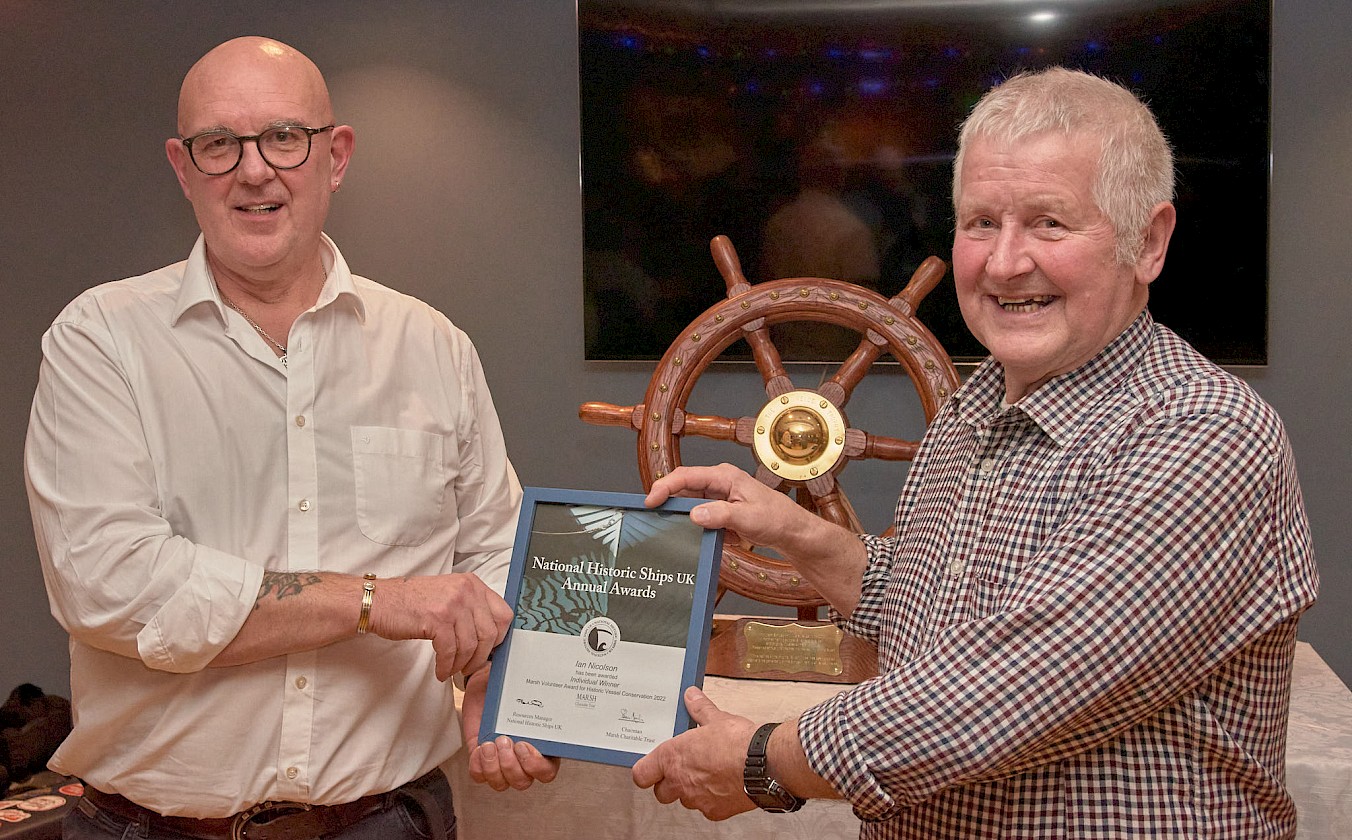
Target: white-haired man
1087	616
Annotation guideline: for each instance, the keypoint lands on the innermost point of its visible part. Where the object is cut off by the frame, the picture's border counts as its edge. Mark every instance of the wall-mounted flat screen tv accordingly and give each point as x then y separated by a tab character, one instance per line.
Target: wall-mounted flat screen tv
818	135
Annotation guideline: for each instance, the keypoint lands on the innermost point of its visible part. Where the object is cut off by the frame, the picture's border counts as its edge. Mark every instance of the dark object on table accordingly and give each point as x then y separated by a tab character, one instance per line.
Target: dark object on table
32	725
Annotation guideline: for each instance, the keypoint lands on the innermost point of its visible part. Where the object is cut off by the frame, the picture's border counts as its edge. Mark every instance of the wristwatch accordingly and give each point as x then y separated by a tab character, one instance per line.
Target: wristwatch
767	793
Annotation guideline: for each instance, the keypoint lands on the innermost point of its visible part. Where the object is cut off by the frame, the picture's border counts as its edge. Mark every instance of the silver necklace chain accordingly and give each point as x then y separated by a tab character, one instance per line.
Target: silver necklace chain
281	348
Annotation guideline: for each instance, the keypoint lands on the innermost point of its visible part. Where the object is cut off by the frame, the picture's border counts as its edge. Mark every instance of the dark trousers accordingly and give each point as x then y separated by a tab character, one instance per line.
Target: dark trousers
406	818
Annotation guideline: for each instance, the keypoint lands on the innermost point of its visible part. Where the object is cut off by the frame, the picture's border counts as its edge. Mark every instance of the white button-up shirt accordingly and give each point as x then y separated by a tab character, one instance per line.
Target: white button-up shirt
172	458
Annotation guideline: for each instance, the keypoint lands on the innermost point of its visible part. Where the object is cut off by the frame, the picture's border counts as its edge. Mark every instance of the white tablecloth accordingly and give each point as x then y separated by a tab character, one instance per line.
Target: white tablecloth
1319	749
596	801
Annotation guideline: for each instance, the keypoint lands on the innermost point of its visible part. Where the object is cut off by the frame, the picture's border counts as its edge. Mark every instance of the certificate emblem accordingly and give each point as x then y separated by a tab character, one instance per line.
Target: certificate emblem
600	635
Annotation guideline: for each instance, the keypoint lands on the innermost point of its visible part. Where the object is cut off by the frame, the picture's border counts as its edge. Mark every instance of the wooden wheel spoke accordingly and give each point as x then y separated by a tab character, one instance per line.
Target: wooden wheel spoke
757	335
859	444
607	414
835	508
826	498
729	265
737	430
768	361
769	479
922	282
841	385
821	487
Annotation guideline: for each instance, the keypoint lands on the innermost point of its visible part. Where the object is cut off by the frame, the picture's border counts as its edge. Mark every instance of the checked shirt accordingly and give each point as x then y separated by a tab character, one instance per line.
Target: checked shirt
1087	617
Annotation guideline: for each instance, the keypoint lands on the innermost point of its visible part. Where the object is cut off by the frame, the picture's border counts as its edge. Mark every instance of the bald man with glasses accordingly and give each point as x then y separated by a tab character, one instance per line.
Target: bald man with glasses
273	506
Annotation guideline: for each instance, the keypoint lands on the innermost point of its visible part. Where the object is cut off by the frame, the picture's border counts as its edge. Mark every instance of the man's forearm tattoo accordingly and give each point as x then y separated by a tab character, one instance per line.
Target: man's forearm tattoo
282	584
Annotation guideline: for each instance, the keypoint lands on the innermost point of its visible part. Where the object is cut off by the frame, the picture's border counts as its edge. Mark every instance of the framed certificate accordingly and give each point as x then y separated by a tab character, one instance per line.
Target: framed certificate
613	604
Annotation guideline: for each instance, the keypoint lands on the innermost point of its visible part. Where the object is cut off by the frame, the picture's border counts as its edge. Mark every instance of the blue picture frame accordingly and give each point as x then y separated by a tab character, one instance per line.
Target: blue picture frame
613	606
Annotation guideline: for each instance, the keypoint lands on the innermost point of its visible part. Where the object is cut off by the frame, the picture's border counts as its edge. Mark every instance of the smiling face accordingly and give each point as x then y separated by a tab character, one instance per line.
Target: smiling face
262	225
1034	260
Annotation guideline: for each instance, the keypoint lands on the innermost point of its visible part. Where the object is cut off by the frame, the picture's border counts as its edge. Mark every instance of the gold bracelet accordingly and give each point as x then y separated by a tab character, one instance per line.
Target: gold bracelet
368	590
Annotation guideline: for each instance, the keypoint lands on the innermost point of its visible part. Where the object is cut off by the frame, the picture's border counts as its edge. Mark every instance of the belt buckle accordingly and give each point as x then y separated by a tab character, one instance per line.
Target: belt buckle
240	826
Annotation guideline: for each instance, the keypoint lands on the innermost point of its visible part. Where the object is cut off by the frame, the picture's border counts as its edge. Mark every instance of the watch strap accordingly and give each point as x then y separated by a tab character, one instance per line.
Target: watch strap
767	793
760	740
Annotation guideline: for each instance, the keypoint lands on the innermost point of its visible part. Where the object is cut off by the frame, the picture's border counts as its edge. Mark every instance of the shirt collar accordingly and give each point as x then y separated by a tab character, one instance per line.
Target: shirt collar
1063	402
198	286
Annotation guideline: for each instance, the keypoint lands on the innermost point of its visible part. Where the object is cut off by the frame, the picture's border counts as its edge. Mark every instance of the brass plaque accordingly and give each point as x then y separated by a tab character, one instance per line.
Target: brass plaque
792	648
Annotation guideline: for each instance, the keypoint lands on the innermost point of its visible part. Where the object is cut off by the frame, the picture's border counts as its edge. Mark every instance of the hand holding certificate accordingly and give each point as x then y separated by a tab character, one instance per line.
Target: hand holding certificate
613	604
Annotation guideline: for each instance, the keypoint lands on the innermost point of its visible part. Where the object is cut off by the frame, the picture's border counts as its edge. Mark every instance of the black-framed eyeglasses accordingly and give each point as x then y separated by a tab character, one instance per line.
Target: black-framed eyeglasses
283	147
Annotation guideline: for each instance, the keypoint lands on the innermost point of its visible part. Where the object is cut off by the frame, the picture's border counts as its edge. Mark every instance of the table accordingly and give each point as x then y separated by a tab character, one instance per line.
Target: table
36	814
1319	749
600	801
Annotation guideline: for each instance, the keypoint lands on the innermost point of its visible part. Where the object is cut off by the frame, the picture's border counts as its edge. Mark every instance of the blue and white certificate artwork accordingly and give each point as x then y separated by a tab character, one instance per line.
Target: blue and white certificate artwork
613	606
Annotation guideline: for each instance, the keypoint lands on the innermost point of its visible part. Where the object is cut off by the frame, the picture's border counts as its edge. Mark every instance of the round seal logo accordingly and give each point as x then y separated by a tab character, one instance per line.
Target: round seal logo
600	635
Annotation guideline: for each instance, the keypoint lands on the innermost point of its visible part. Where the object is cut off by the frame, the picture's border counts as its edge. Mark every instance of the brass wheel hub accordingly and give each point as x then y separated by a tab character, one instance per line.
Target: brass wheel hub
799	435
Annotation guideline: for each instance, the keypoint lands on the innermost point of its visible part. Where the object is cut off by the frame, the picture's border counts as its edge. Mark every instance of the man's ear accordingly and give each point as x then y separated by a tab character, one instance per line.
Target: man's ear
1157	234
179	160
341	146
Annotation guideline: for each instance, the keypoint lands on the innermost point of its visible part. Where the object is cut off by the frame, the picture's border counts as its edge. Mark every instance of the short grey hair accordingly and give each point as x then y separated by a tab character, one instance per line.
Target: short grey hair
1136	165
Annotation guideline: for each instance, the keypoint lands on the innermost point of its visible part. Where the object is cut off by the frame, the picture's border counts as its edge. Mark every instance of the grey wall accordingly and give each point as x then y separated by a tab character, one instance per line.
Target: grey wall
479	215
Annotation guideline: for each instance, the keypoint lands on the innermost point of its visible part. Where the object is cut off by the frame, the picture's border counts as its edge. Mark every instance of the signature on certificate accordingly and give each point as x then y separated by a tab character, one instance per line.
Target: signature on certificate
531	702
630	717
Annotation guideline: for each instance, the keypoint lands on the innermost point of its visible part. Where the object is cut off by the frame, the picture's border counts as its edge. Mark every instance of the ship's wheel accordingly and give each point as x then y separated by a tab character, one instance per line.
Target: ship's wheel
802	437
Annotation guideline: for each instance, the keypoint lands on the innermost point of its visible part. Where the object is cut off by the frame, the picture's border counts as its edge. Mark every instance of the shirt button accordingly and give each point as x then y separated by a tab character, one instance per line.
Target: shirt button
304	505
956	565
988	465
301	682
292	772
300	419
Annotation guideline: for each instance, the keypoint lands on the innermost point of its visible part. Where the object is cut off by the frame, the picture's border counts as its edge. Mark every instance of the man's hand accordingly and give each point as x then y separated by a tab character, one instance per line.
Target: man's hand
499	764
830	557
741	504
702	767
463	617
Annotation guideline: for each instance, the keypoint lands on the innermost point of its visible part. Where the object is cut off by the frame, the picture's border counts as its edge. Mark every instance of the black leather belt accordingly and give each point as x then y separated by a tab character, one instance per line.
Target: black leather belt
264	821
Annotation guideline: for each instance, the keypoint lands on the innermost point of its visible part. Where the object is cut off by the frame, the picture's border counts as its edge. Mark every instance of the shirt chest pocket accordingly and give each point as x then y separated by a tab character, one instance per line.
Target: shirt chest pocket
400	477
